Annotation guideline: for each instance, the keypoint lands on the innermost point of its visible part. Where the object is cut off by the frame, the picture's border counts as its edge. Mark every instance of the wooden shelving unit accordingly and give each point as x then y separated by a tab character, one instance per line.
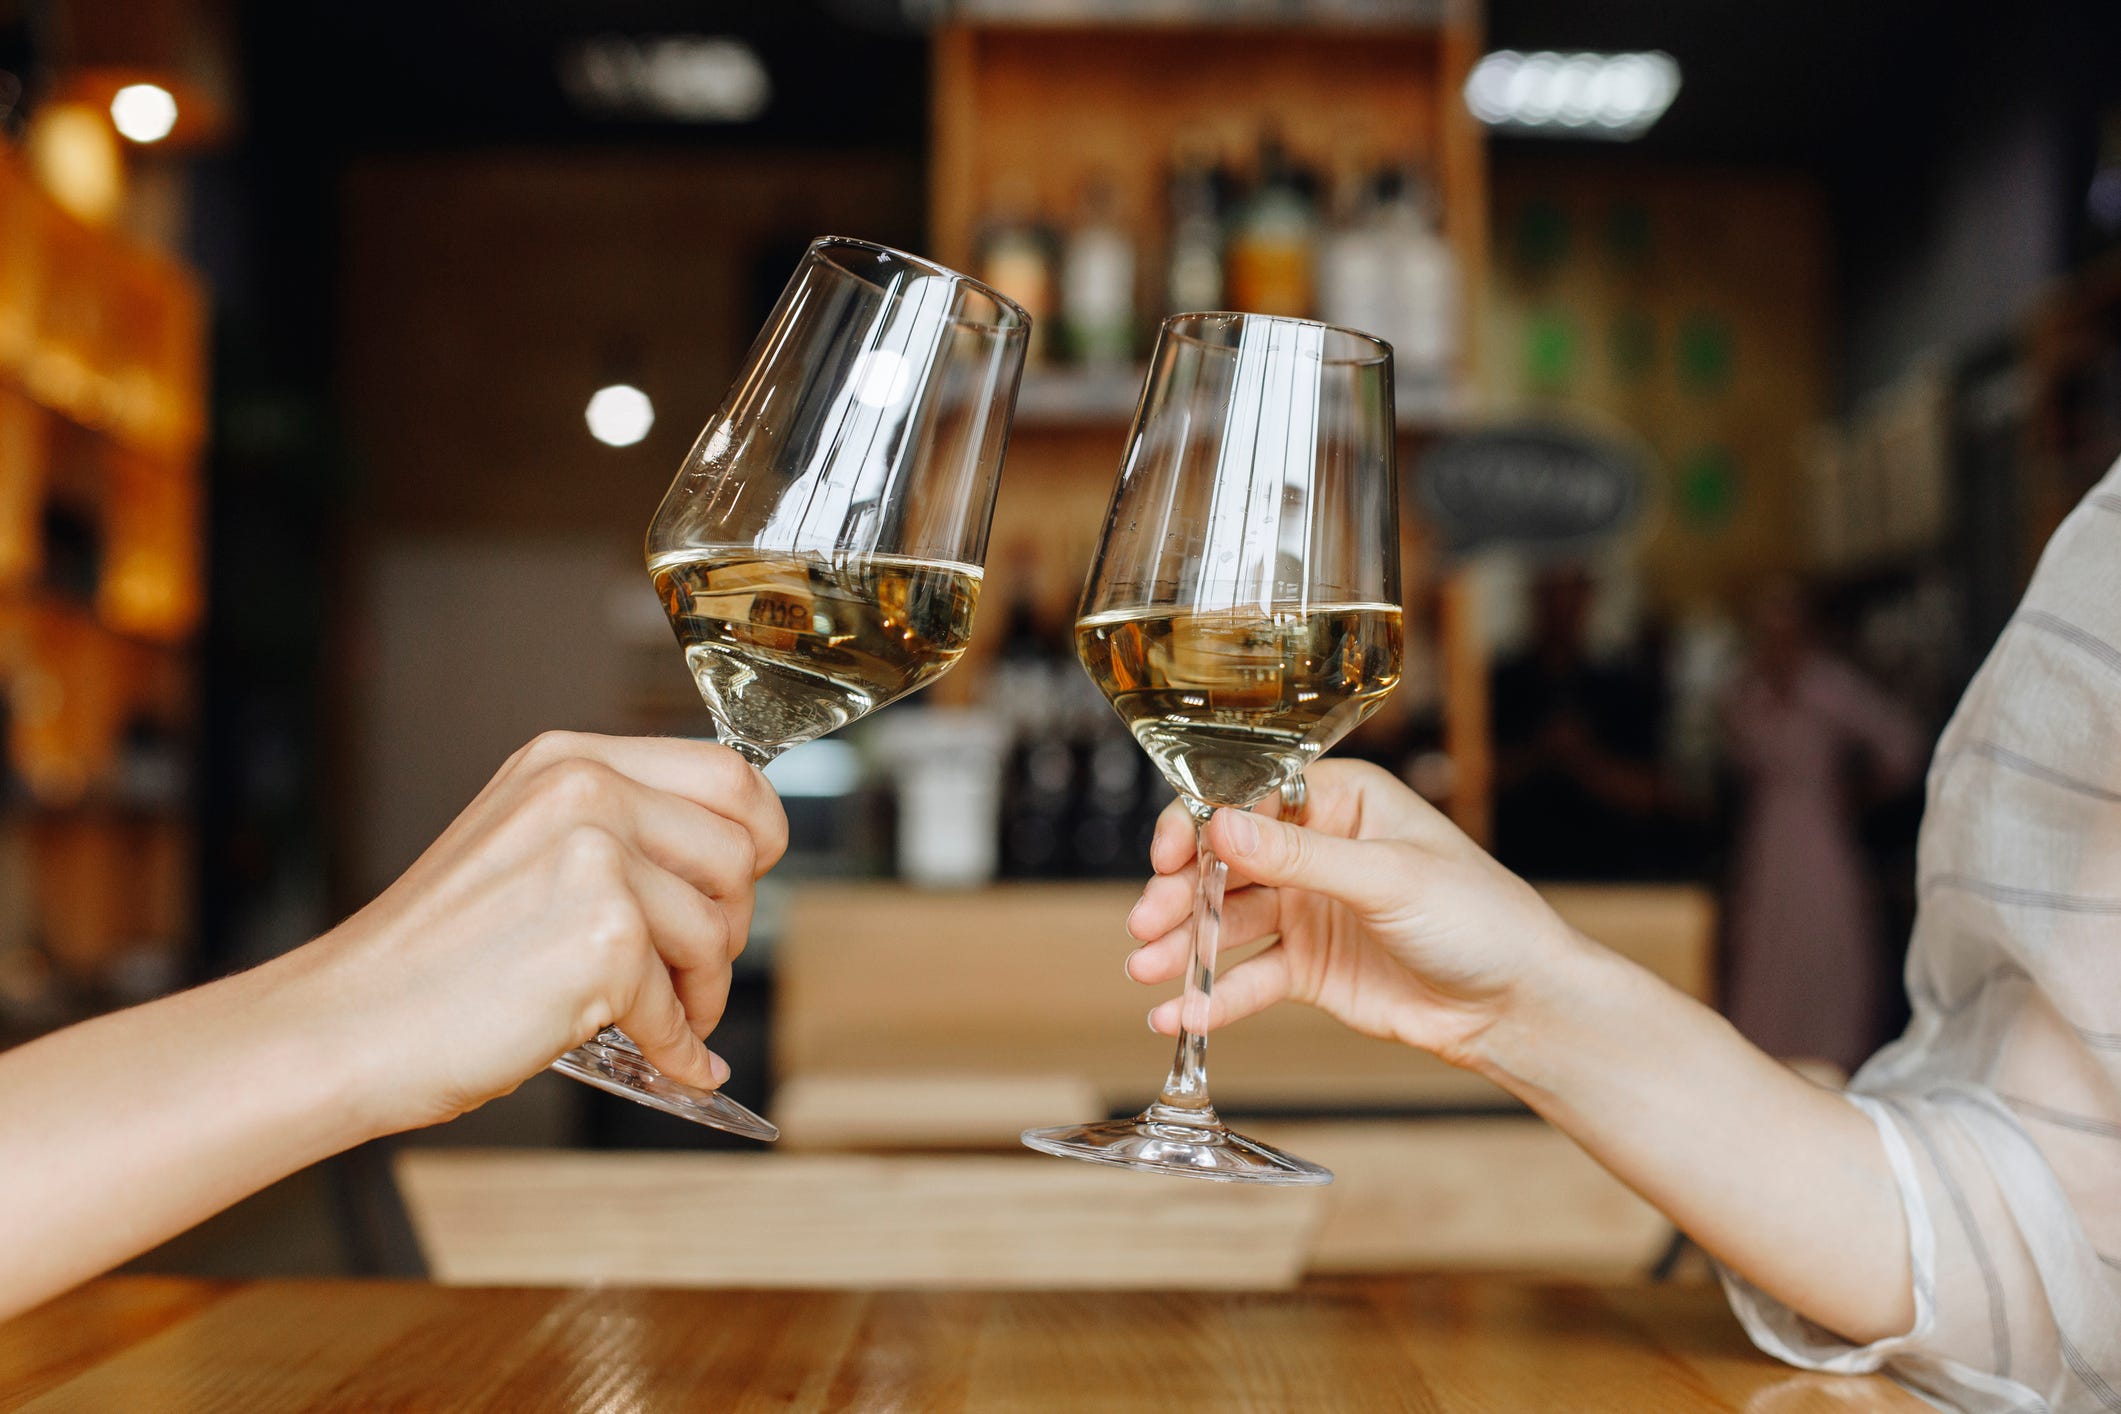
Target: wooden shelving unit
1045	107
102	414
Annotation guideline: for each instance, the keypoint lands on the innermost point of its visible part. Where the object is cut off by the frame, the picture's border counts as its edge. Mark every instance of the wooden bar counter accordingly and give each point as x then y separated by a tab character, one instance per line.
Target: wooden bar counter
1441	1343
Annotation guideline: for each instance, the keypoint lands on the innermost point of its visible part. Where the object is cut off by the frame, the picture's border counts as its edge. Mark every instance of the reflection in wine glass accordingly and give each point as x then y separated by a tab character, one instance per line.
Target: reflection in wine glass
1242	616
820	552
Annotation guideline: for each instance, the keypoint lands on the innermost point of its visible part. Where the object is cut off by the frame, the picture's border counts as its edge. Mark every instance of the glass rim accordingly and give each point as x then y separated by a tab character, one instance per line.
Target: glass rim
1020	321
1380	350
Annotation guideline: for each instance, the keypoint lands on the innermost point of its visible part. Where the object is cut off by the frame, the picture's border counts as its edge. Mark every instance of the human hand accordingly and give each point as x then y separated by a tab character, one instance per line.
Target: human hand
1384	915
595	881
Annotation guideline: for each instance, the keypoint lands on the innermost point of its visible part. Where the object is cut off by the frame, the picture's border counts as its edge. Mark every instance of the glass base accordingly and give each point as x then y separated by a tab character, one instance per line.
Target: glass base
612	1062
1188	1144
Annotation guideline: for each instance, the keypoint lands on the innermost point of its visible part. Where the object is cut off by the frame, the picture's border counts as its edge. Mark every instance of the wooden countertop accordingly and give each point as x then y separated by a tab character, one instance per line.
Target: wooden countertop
1442	1343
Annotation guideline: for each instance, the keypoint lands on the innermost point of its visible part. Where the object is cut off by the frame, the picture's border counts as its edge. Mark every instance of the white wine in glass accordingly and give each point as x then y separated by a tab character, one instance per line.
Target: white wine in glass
819	553
1242	616
1230	704
786	648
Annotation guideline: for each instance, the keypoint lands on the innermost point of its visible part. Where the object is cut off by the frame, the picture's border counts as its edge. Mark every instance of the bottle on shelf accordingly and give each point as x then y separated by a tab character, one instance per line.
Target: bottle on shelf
1419	293
1351	254
1016	258
1268	269
1193	260
1097	283
1039	772
1111	768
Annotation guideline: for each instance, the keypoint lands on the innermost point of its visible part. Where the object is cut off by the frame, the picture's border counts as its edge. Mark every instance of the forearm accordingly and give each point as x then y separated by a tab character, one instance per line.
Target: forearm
1784	1182
123	1131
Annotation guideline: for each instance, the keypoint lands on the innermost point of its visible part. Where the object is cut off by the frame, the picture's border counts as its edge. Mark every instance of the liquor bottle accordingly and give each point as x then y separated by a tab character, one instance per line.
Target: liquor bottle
1193	262
1097	284
1269	265
1016	257
1351	256
1039	771
1103	830
1420	292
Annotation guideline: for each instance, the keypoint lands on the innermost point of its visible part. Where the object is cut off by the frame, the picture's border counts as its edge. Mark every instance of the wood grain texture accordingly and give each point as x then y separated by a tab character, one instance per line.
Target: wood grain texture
830	1220
1507	1193
1501	1194
823	1110
881	980
71	1333
1479	1344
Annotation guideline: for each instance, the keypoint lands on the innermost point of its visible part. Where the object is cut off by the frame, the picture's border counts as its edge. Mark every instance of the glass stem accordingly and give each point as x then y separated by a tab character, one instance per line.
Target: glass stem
757	755
1185	1094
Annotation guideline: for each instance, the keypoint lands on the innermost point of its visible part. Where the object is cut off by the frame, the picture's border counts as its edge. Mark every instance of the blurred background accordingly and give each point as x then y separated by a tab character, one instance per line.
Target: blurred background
345	351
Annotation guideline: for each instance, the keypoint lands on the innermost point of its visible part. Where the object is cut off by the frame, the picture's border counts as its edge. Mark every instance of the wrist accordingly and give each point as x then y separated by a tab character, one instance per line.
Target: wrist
1541	1029
311	1014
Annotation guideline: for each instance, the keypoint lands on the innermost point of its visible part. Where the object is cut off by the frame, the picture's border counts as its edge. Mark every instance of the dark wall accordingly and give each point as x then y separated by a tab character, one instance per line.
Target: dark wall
1959	191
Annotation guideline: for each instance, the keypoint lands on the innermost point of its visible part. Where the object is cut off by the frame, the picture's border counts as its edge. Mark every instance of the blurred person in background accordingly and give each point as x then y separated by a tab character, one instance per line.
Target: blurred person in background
1812	741
595	881
1579	791
1954	1215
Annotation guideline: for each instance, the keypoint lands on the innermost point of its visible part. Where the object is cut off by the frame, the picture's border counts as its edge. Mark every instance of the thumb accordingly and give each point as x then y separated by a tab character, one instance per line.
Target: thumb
1366	875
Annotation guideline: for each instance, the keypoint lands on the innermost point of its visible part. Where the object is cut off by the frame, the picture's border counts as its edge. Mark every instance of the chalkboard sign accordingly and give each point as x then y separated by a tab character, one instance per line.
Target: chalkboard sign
1535	487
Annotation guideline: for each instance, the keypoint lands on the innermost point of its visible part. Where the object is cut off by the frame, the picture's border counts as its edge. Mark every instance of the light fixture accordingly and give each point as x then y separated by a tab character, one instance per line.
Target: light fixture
619	415
685	78
143	112
1542	93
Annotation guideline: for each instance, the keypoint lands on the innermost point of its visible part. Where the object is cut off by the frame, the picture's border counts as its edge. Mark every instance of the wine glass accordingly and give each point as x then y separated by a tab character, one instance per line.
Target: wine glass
820	551
1242	616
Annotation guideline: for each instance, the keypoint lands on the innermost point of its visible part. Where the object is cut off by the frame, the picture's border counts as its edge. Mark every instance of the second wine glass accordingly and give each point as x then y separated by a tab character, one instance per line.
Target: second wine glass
821	550
1242	616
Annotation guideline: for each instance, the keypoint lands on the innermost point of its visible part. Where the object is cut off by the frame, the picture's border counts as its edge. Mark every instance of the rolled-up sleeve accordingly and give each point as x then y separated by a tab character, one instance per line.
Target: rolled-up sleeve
2014	1307
2000	1108
1784	1334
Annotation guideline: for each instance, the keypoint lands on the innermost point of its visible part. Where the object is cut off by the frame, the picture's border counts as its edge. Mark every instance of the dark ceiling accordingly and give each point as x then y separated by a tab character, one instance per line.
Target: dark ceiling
385	74
1764	81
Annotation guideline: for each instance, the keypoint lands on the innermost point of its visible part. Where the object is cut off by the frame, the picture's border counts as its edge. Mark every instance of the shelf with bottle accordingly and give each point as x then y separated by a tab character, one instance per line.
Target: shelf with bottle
1138	149
102	413
1069	398
1369	255
93	719
95	913
96	802
88	518
96	329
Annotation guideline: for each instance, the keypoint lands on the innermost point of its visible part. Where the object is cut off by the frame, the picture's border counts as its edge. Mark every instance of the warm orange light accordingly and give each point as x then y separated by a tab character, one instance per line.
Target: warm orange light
74	154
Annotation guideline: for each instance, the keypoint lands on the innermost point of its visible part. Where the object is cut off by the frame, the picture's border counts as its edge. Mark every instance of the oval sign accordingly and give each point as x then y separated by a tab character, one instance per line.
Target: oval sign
1535	487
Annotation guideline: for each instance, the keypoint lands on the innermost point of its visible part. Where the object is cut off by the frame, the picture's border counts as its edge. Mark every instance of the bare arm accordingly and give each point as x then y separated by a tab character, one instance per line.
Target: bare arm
123	1131
1784	1182
1394	922
570	895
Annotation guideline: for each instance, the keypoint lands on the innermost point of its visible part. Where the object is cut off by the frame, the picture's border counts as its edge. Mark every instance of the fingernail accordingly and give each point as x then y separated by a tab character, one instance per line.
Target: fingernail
1130	918
1152	1021
1244	835
719	1067
1126	965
